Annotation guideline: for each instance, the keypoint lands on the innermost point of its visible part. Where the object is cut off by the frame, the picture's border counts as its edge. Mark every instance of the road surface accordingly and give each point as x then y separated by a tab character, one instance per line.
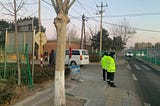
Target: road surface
147	80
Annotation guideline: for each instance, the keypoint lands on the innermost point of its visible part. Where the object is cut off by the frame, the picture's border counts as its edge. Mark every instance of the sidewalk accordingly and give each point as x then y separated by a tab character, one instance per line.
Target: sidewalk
93	89
98	93
119	97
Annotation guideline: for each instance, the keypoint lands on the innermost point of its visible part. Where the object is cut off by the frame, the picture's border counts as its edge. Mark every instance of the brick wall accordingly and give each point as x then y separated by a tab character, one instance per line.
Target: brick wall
52	44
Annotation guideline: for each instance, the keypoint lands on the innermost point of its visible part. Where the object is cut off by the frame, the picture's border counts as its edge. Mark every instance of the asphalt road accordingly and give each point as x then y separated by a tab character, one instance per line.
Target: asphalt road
147	81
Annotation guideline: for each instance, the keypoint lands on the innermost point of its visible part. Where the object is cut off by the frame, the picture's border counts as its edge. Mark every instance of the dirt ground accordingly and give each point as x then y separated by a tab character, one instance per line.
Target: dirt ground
23	92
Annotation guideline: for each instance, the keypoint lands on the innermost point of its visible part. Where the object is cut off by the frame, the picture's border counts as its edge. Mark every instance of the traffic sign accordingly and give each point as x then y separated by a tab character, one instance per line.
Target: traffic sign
41	37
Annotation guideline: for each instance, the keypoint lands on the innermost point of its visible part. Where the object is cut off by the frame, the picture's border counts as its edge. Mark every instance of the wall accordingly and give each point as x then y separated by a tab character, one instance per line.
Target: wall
51	44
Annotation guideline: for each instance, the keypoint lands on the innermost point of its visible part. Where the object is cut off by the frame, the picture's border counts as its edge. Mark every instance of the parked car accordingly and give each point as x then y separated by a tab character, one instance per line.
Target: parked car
77	57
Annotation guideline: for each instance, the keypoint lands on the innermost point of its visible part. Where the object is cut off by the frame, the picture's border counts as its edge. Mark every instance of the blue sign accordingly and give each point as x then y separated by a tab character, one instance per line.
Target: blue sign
75	72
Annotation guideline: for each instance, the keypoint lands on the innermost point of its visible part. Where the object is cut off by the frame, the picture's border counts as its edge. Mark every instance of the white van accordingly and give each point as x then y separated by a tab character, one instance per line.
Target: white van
78	57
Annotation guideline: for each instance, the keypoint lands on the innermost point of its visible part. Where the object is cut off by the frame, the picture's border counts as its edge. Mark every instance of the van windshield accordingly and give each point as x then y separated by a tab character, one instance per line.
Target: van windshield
85	52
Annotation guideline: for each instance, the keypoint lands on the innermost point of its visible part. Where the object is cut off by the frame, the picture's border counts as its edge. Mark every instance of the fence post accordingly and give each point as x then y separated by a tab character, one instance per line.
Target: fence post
5	53
28	66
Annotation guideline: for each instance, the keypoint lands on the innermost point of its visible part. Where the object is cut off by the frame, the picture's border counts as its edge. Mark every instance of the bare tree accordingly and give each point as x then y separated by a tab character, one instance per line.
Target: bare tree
61	7
71	33
12	11
124	30
93	33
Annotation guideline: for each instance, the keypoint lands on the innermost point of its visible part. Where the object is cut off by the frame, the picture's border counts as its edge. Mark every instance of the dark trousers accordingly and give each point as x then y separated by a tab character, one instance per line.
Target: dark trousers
110	76
104	74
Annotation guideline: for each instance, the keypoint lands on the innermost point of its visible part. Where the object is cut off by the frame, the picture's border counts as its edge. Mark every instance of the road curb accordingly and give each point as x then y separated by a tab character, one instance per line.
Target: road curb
31	98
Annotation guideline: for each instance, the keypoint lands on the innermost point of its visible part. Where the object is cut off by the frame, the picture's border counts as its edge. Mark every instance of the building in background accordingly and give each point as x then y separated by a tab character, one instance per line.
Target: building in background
28	23
52	44
143	45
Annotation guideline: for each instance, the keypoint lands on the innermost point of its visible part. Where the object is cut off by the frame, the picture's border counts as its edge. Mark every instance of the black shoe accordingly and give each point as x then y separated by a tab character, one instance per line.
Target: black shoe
112	85
109	83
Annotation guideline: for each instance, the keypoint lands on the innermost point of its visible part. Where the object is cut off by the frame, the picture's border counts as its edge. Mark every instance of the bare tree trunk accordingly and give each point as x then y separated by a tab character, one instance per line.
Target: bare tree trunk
16	42
61	8
60	23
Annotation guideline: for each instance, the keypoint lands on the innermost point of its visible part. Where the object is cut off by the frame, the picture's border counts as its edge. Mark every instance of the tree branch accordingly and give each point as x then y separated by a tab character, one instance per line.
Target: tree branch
65	6
10	4
11	12
60	5
55	6
71	4
20	6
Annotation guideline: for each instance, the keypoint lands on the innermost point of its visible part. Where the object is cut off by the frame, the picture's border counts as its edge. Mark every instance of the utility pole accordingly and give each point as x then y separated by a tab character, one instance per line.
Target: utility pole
83	42
40	34
101	13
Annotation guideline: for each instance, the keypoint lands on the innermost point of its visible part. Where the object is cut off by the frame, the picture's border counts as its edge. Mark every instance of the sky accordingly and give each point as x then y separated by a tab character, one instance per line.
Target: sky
143	15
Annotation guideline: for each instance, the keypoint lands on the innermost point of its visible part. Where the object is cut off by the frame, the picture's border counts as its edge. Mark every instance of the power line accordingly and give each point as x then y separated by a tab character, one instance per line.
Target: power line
75	26
146	30
31	3
83	6
93	18
128	15
109	16
47	3
133	15
141	29
75	17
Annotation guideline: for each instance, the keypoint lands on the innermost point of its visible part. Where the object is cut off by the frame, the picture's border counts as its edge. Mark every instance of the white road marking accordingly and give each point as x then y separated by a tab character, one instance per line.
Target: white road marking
129	67
147	104
147	68
137	67
134	77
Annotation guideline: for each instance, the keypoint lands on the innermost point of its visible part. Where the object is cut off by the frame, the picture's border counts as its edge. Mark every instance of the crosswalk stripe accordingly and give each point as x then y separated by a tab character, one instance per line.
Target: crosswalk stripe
137	67
147	68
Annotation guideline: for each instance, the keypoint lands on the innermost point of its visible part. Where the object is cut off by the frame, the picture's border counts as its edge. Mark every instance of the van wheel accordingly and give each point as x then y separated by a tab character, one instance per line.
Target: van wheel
73	63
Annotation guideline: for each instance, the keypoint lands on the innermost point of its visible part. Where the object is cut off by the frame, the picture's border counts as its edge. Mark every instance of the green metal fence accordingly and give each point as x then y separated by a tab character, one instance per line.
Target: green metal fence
8	64
151	55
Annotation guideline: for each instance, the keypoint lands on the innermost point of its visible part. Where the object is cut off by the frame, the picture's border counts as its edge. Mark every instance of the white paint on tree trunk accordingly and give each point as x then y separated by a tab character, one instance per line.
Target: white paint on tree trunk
59	98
